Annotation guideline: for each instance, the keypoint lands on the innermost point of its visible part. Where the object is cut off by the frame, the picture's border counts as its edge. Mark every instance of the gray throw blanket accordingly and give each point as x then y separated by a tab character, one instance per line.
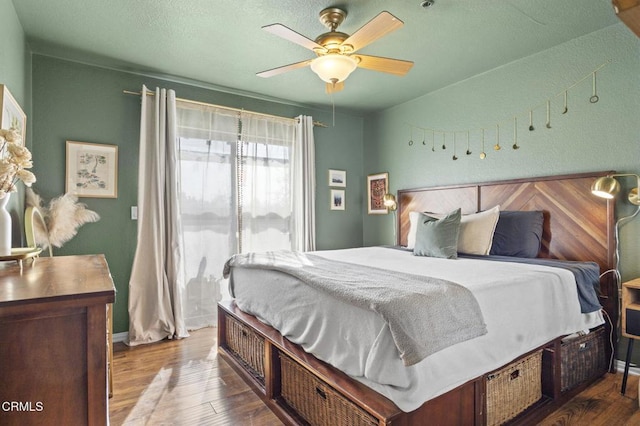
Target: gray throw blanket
424	314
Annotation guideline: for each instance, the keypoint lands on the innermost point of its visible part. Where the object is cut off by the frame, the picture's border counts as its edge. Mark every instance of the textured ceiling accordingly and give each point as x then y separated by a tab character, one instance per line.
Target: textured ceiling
220	42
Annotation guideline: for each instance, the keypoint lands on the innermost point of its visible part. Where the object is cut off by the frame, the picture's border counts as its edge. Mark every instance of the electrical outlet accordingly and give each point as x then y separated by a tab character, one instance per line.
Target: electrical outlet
134	212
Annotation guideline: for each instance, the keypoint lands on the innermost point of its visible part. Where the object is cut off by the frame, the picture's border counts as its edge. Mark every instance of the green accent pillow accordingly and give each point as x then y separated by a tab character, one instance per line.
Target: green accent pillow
438	237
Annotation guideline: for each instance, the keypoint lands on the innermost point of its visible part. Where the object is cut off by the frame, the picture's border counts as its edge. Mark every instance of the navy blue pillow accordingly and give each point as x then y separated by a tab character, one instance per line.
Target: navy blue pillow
518	233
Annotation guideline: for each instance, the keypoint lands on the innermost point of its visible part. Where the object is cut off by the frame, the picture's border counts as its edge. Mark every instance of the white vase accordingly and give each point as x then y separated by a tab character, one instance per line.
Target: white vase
5	227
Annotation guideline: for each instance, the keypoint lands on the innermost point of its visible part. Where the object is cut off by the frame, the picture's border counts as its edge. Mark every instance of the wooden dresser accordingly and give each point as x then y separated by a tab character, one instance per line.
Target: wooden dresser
53	341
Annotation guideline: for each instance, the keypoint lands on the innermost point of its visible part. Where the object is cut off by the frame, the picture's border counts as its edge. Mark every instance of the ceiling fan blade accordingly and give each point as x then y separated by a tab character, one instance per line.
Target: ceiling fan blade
388	65
283	69
333	88
297	38
379	26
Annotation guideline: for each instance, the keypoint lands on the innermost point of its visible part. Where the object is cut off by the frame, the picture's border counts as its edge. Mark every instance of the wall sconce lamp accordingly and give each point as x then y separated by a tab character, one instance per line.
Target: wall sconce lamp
390	202
608	187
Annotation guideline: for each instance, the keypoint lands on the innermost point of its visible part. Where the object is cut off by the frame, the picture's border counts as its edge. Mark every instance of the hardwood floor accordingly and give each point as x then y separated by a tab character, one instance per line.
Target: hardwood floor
601	404
181	382
185	382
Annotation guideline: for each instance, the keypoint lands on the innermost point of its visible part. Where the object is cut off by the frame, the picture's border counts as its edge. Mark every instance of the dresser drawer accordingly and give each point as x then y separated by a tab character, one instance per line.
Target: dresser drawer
246	346
315	401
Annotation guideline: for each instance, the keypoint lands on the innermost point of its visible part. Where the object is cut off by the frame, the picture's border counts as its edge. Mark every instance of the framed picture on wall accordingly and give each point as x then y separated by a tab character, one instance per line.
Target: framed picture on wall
92	170
11	115
337	178
377	187
337	199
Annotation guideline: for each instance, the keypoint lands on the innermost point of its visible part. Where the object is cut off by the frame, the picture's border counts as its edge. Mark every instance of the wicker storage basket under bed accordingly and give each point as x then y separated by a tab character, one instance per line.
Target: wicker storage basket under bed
247	346
583	358
315	401
514	388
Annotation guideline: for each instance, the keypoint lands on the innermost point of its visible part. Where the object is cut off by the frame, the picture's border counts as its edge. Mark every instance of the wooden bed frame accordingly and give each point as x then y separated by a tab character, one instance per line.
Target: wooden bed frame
577	226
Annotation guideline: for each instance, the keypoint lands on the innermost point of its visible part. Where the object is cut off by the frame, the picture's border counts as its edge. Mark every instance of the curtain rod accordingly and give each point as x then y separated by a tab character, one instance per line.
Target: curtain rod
189	101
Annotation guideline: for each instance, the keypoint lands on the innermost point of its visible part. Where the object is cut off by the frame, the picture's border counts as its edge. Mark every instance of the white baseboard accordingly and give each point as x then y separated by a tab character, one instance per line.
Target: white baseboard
633	370
121	337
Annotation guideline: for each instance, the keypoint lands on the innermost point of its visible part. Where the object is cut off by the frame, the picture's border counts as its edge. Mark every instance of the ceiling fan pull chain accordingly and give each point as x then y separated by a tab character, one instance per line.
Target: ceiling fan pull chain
333	110
483	155
515	133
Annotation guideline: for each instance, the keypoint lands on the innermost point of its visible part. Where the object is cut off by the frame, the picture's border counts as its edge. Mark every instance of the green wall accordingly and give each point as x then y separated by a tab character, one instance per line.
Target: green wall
14	56
73	101
67	100
15	70
590	137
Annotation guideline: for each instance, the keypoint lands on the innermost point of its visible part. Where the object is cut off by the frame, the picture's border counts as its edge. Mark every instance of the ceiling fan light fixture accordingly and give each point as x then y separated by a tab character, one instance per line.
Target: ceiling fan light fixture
333	67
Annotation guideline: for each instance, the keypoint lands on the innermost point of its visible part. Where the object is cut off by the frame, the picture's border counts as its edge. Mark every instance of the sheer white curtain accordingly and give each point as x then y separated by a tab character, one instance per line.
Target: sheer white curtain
266	183
212	182
208	144
155	305
243	189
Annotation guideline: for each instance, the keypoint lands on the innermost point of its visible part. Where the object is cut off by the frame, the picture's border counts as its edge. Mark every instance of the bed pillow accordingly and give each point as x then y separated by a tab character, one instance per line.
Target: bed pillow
518	233
476	231
413	226
437	237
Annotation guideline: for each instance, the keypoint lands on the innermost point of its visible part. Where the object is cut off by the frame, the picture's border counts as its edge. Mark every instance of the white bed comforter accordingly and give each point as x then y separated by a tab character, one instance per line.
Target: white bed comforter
524	306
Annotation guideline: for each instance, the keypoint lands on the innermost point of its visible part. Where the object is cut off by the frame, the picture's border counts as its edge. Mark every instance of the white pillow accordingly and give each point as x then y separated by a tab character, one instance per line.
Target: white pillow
476	231
413	228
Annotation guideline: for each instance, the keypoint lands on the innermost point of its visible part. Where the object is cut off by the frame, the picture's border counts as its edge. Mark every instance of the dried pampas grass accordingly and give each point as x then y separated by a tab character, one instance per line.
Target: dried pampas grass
63	217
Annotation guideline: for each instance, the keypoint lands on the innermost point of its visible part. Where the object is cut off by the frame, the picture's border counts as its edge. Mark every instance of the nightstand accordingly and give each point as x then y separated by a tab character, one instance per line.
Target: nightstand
630	320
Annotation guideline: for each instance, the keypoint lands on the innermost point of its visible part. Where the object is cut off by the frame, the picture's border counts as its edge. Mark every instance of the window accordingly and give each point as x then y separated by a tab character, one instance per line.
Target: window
236	195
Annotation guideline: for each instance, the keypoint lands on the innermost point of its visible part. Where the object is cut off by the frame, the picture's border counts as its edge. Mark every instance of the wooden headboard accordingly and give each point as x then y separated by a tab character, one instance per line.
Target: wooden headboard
577	225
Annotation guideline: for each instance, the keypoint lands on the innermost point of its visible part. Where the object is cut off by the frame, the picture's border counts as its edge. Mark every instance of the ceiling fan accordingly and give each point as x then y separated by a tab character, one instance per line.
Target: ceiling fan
336	51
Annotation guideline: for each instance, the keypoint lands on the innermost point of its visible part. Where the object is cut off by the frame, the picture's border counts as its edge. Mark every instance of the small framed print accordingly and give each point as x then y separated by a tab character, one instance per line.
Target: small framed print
377	187
338	178
11	115
337	199
92	170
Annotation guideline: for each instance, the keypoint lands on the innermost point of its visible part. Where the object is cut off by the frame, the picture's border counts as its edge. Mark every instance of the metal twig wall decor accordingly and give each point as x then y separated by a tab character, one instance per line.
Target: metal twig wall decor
444	135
